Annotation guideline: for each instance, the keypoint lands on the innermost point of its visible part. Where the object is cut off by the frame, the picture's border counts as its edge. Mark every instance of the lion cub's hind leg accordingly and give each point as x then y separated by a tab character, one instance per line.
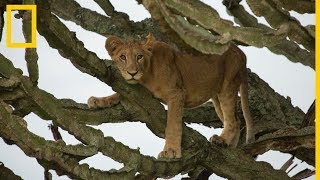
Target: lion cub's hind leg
103	102
217	107
231	131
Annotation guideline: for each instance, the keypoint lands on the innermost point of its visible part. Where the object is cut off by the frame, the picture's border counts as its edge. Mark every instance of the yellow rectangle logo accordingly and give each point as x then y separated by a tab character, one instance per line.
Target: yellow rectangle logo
33	9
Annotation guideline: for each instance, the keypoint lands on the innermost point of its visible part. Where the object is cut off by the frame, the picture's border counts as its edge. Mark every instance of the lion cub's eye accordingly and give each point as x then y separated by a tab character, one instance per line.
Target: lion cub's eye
139	57
123	57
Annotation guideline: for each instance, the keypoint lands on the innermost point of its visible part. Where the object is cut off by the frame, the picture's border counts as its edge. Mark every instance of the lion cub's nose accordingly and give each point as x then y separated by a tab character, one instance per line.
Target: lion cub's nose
132	73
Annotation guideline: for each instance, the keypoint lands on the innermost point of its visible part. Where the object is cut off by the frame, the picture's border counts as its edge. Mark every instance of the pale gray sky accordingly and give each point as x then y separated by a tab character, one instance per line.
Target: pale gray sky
60	78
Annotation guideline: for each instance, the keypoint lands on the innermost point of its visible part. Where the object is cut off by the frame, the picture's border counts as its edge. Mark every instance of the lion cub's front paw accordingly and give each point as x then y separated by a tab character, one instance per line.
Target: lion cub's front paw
218	141
170	153
95	102
92	102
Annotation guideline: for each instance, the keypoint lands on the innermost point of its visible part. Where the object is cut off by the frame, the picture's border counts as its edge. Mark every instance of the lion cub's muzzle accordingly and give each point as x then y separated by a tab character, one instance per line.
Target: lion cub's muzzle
132	77
133	73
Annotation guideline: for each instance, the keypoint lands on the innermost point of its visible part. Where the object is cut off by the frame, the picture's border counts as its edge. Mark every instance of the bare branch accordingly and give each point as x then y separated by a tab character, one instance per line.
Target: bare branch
294	166
47	175
106	6
287	164
55	132
285	140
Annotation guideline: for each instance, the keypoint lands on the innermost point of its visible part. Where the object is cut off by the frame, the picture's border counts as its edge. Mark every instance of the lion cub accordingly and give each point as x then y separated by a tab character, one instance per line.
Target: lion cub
183	80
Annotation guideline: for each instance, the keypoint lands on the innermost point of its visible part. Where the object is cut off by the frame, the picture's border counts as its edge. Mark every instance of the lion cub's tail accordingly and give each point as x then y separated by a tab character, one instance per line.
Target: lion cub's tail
245	106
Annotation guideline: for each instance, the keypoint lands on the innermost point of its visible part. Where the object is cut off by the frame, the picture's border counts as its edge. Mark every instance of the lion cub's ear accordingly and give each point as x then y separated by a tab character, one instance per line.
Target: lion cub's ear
148	42
112	43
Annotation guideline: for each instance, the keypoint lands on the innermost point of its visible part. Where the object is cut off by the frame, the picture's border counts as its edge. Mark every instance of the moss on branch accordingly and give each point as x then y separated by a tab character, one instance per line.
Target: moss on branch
278	17
288	48
61	155
212	21
300	6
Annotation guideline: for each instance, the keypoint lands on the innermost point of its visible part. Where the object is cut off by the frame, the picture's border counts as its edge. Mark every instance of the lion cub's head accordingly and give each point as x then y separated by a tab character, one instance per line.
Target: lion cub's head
132	57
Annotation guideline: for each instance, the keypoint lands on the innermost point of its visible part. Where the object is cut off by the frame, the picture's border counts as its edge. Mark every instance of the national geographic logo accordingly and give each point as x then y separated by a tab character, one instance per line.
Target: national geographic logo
33	10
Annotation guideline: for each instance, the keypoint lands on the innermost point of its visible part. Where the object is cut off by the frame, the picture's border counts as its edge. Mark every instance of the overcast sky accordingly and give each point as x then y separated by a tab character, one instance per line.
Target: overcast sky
60	78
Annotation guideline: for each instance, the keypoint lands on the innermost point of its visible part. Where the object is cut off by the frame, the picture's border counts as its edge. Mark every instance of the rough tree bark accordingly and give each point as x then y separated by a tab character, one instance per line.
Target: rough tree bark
278	125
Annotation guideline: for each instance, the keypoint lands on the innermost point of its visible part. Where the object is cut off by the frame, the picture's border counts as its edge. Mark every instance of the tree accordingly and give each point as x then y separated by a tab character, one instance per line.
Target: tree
278	125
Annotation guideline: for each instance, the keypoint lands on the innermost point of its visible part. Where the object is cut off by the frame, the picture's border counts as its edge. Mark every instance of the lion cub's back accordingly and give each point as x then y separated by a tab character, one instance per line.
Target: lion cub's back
202	76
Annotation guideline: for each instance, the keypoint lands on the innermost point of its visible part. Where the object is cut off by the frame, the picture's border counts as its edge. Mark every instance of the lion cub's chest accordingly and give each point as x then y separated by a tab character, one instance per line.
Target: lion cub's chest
158	90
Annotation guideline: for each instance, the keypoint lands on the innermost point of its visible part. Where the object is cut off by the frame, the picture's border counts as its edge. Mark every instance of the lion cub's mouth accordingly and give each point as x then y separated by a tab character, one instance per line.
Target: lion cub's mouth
132	81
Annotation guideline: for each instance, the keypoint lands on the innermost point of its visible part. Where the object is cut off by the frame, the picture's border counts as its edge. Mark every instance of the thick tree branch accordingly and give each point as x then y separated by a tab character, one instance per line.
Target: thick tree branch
300	6
91	20
112	26
35	146
6	173
9	84
197	37
212	21
52	29
102	25
278	17
287	140
288	48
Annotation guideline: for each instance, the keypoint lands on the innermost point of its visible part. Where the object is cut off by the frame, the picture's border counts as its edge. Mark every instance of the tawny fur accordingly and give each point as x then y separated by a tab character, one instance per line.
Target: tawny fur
183	80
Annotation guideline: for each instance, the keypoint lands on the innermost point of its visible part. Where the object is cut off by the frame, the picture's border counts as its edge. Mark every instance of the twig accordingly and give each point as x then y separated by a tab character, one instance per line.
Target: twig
303	174
287	164
106	6
47	175
55	132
